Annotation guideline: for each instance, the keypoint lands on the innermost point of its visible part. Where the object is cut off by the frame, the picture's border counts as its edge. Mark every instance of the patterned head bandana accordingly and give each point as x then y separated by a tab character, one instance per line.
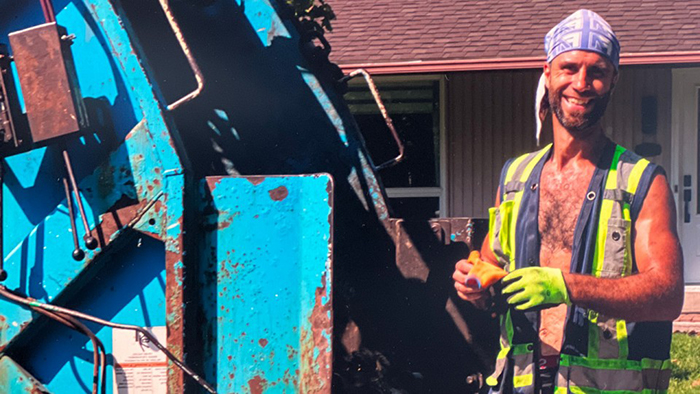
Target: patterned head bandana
583	30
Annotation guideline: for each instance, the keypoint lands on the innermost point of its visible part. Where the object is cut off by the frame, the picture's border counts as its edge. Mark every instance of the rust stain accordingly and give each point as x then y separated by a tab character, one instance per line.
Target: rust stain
225	223
257	384
213	182
3	328
316	376
114	220
256	180
291	352
224	273
351	337
263	342
279	193
174	312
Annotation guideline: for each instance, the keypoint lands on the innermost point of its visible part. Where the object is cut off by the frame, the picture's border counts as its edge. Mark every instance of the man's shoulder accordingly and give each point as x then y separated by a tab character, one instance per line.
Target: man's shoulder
527	157
628	155
629	158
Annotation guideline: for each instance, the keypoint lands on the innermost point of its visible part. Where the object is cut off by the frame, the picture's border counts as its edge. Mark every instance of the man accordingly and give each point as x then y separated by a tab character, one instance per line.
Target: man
587	232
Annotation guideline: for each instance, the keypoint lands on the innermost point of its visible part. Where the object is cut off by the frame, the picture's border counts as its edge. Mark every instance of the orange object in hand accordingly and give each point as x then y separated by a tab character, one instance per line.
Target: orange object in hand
483	274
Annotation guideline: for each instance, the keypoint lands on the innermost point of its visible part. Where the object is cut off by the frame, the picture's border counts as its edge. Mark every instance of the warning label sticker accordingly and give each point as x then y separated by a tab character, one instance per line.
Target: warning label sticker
139	367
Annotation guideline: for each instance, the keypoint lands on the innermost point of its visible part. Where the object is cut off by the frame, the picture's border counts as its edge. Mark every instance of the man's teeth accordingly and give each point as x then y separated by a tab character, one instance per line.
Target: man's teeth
577	101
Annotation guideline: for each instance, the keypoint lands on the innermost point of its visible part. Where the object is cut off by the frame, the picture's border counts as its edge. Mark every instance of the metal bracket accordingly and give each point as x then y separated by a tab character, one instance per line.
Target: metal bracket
165	4
385	115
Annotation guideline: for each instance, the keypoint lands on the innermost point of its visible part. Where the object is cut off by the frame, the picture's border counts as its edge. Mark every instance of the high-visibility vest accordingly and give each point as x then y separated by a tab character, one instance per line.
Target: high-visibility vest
600	354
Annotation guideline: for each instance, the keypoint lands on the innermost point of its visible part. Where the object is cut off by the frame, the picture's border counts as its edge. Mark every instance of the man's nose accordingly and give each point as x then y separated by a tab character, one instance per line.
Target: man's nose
581	81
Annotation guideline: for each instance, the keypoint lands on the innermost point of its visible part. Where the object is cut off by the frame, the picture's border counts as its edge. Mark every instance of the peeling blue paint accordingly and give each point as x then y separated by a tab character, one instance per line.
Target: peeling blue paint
267	254
37	234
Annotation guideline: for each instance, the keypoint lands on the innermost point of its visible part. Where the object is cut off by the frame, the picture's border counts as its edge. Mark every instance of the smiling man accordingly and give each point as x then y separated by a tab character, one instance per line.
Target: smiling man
586	230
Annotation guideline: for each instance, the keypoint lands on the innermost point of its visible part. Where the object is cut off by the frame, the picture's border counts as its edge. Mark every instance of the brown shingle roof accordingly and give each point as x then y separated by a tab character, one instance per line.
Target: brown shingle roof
383	31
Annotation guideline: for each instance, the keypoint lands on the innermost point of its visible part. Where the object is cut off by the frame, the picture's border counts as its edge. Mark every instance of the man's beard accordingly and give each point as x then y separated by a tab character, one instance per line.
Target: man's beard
578	122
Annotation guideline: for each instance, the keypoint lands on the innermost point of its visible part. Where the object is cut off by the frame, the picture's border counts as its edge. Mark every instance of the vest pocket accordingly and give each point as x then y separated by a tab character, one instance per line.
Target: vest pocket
608	341
615	257
500	221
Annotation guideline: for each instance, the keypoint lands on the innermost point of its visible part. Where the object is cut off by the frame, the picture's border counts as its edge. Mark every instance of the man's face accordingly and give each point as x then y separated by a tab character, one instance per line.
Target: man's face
579	85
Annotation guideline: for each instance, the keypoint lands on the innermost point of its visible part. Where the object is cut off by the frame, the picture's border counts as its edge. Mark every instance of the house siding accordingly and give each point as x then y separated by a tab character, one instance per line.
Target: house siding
490	118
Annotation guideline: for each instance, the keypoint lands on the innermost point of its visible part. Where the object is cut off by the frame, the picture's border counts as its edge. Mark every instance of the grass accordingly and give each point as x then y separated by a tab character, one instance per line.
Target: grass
685	357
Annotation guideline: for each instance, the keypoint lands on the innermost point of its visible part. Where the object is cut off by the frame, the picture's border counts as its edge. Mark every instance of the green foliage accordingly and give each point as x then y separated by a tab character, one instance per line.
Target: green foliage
685	358
316	13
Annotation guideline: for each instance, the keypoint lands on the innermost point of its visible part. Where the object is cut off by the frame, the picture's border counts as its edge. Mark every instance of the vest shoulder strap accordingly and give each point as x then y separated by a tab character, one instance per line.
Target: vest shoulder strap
629	178
518	170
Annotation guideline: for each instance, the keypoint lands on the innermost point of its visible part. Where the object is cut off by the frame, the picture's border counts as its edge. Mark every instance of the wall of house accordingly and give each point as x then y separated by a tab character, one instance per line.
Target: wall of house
490	117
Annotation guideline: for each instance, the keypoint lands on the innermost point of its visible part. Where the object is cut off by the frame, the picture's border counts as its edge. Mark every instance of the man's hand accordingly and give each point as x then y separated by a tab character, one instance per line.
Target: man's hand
533	287
476	295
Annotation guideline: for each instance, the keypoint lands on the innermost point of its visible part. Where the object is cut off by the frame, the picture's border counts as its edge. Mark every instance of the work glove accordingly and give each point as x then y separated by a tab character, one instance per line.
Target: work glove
474	278
483	274
534	287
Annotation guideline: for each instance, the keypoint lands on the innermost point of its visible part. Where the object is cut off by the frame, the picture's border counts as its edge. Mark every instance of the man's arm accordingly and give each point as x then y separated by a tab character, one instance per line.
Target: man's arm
656	292
477	297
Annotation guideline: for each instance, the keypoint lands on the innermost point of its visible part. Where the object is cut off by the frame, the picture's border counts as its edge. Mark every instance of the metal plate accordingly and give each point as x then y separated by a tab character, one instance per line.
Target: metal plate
49	83
267	284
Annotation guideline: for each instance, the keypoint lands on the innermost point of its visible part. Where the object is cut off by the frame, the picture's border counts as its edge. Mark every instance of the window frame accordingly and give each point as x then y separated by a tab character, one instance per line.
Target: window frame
416	192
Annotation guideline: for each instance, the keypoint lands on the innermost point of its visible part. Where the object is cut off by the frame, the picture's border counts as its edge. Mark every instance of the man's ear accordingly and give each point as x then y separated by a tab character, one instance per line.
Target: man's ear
616	76
546	71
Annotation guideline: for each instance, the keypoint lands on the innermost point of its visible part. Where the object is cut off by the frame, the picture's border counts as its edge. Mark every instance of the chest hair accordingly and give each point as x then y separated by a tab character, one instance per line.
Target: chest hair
561	199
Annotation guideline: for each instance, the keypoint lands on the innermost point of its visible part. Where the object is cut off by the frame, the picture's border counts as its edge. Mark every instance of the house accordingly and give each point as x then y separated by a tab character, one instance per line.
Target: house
459	78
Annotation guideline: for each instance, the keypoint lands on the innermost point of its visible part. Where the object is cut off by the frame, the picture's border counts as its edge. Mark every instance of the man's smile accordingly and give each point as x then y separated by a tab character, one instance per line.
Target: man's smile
578	103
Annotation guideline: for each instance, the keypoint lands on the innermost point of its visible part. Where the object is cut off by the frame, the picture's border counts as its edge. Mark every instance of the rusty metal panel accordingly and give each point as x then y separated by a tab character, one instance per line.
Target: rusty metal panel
131	181
266	280
14	379
49	82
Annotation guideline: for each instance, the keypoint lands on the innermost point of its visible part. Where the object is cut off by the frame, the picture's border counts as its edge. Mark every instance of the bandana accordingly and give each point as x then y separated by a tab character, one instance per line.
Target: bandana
583	30
586	31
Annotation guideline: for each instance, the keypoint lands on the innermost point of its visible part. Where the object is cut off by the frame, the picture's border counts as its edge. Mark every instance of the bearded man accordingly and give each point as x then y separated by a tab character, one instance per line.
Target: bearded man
587	231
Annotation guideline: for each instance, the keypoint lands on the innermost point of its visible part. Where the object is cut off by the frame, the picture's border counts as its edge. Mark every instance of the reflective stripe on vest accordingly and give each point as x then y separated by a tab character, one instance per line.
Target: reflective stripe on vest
502	219
606	367
502	222
524	366
583	375
607	337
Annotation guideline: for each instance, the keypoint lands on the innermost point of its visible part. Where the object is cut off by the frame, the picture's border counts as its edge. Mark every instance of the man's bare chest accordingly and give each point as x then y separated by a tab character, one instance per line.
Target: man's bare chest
561	199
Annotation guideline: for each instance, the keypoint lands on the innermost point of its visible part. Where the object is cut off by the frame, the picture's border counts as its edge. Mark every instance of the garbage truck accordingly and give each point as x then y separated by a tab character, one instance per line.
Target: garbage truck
188	205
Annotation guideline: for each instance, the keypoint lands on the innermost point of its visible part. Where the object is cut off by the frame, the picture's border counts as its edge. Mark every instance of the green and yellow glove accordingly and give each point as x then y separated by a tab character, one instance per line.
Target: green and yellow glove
534	287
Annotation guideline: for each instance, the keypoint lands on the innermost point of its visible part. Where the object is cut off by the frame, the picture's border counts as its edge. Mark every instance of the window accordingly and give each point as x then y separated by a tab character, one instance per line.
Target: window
414	186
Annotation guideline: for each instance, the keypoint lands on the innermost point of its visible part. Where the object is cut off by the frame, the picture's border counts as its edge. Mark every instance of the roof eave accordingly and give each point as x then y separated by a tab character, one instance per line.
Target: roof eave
513	63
